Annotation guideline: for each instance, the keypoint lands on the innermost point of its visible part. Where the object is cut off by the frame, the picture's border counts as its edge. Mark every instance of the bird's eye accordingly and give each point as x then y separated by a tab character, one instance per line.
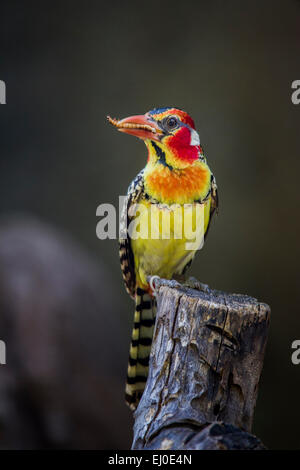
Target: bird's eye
171	123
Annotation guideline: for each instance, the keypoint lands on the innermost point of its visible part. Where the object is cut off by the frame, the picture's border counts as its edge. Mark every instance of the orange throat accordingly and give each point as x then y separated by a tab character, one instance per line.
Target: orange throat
181	186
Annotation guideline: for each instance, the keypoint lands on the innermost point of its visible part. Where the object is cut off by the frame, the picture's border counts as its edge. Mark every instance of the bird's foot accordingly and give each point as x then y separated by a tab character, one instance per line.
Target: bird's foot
152	285
193	283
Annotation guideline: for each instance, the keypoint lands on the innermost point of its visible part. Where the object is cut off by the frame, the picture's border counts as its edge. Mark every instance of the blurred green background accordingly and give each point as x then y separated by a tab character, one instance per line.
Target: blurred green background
230	65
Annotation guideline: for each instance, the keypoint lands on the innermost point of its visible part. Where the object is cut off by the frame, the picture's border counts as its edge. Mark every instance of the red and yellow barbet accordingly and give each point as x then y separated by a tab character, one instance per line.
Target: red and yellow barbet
176	173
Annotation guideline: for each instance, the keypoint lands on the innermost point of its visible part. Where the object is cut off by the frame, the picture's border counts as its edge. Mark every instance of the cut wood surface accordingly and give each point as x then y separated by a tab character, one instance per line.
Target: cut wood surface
205	365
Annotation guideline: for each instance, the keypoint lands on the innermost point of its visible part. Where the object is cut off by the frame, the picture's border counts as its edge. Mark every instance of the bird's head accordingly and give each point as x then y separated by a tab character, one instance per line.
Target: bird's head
169	134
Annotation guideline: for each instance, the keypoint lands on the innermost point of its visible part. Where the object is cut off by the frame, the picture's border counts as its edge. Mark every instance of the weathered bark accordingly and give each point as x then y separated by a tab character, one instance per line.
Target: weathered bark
206	360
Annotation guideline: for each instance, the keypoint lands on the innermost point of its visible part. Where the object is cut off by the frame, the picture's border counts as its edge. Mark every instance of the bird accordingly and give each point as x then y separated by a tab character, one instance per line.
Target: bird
176	176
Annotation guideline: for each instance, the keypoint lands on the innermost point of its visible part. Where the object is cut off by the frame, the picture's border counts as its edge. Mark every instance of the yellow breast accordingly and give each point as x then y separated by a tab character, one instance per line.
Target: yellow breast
164	238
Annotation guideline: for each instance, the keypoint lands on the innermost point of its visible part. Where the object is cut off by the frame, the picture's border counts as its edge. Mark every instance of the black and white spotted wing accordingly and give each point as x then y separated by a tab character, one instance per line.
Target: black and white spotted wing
134	194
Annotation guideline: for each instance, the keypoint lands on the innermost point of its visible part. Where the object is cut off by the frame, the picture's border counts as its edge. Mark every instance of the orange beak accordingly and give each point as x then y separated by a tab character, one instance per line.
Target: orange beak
141	126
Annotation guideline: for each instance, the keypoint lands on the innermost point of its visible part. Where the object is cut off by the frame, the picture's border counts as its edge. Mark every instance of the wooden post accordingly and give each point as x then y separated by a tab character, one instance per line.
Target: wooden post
206	360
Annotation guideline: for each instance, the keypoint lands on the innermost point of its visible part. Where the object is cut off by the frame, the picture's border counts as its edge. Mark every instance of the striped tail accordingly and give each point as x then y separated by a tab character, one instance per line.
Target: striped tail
144	318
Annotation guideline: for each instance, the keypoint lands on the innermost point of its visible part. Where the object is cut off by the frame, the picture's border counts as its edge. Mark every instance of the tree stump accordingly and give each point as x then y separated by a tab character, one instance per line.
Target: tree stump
206	360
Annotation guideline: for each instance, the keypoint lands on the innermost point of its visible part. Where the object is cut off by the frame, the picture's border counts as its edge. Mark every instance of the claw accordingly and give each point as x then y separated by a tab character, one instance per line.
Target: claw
152	284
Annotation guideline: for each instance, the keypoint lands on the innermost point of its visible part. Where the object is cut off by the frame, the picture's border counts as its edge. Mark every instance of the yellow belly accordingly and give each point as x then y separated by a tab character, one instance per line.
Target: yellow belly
165	238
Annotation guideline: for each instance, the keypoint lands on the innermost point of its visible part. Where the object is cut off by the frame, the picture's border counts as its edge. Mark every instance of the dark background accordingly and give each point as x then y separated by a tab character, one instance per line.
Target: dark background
66	66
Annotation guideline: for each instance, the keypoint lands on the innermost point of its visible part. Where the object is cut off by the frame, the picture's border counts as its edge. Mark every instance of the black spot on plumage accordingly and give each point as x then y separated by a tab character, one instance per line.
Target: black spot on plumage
137	378
144	361
147	322
140	291
145	341
130	398
132	361
146	305
141	378
125	270
131	380
161	155
123	257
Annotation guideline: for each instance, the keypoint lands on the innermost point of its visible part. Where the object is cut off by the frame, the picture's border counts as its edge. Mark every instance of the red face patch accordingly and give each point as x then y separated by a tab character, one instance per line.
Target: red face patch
179	144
